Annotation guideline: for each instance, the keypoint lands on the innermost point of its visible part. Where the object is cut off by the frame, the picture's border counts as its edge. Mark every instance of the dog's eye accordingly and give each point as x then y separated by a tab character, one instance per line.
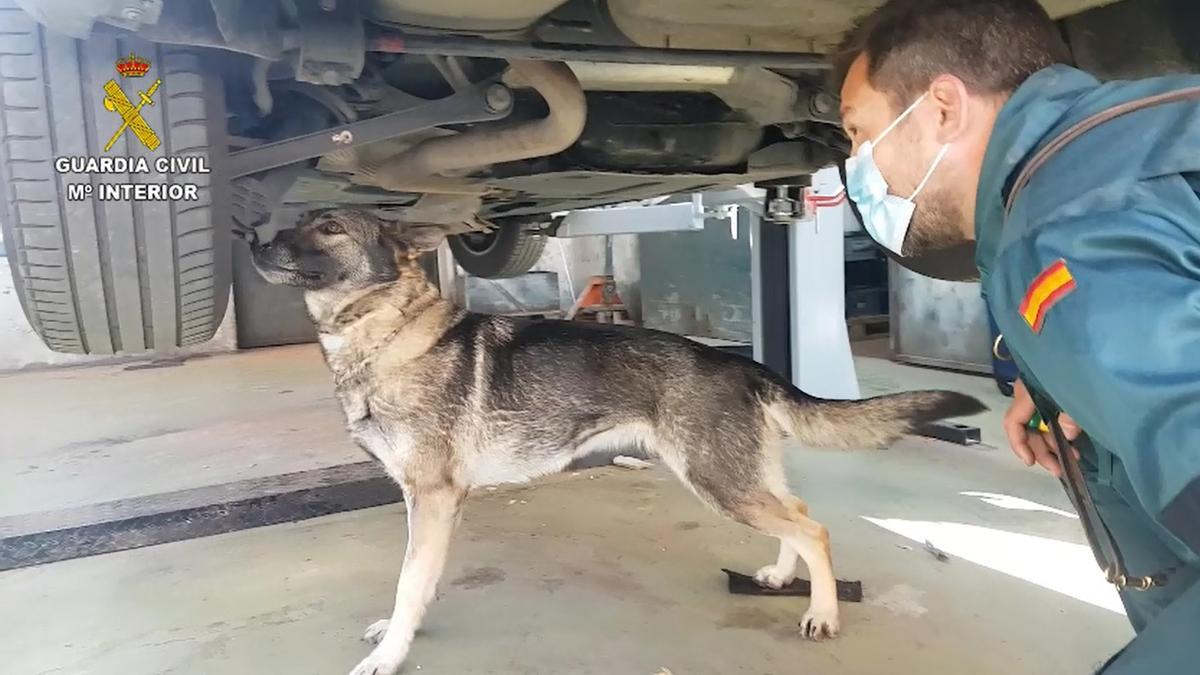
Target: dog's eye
332	228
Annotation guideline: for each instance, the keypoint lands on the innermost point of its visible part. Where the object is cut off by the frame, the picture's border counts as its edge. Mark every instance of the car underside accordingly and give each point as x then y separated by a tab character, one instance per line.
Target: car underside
582	103
483	120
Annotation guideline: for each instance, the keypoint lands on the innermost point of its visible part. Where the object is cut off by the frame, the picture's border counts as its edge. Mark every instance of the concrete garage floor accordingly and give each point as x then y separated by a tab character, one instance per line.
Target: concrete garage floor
603	571
77	436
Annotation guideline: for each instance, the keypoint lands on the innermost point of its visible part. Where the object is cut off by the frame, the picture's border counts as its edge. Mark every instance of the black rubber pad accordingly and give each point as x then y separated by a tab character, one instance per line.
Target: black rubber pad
740	584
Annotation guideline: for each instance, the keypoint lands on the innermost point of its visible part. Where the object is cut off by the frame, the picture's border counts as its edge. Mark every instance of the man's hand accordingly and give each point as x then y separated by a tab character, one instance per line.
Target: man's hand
1032	446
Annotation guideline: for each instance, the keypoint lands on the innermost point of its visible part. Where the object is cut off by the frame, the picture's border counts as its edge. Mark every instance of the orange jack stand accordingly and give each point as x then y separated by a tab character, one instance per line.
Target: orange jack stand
599	302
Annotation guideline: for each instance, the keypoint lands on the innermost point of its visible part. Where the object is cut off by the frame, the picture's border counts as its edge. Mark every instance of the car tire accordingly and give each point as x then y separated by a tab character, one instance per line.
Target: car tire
509	251
96	276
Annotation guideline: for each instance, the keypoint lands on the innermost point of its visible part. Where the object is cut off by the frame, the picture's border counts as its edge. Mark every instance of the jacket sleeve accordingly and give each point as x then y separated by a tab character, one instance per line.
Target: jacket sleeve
1121	352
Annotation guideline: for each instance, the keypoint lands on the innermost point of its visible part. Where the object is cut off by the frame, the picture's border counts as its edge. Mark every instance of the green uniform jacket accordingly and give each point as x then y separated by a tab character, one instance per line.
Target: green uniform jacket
1115	340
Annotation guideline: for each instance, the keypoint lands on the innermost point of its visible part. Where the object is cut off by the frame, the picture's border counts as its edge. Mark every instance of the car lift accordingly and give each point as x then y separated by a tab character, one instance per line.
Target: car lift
798	275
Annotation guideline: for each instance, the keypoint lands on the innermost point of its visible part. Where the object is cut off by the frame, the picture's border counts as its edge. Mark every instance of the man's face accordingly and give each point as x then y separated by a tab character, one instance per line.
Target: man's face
944	214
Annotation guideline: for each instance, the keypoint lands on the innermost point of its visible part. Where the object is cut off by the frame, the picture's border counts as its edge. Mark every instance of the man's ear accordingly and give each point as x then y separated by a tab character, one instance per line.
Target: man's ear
953	103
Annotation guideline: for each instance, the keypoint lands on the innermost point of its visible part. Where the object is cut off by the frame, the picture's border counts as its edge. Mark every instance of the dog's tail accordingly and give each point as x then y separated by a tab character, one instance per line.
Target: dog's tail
868	423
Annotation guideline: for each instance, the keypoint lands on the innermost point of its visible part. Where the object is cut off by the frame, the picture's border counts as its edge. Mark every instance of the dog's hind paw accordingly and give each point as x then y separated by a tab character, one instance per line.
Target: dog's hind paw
375	632
818	625
771	577
378	664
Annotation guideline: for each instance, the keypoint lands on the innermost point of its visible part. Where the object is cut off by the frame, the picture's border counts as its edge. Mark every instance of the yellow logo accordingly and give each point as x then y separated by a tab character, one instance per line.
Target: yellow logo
116	101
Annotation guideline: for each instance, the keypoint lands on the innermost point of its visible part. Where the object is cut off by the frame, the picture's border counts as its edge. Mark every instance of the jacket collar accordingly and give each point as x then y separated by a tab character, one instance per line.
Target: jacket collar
1027	119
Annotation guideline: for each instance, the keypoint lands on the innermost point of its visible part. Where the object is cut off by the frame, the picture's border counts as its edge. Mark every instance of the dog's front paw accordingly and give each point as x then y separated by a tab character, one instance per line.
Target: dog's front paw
378	663
375	632
820	625
771	577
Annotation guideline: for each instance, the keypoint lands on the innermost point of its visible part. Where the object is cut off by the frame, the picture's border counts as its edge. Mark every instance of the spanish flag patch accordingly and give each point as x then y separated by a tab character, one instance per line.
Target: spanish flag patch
1052	285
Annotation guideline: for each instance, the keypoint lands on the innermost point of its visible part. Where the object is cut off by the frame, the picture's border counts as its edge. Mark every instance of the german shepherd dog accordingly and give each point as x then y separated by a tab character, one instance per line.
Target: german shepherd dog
448	401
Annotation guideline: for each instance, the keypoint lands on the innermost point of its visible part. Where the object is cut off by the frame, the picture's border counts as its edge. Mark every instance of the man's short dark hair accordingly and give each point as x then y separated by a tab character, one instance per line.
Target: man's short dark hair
991	45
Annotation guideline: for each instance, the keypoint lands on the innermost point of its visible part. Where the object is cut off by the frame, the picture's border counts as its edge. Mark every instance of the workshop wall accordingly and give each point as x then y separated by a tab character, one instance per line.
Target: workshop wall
698	283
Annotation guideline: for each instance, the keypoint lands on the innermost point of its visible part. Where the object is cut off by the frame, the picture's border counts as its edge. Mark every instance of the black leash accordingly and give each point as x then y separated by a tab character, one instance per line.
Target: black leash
1104	546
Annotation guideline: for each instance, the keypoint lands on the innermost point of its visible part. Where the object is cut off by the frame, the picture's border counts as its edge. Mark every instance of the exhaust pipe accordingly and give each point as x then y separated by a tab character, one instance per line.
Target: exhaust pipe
483	147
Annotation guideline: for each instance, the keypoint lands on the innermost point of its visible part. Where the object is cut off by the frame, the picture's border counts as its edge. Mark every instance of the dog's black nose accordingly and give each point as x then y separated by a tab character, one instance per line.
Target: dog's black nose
258	246
281	238
246	234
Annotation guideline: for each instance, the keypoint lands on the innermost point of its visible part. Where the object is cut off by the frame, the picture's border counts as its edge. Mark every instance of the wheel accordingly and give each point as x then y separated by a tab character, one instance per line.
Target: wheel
508	251
105	276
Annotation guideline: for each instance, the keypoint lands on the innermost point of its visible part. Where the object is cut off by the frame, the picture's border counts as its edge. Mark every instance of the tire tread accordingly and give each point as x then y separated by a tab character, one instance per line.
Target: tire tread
96	277
515	252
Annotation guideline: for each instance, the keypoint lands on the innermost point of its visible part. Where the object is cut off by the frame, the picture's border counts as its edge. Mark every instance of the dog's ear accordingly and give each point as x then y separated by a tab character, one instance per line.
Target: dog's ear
391	239
309	217
410	240
424	238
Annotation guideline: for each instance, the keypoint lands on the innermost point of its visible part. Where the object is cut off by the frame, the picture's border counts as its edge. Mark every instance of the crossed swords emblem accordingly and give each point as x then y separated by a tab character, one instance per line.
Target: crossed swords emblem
131	115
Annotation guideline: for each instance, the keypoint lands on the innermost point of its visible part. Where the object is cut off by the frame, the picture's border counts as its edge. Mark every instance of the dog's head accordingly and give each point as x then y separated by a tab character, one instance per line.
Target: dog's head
341	249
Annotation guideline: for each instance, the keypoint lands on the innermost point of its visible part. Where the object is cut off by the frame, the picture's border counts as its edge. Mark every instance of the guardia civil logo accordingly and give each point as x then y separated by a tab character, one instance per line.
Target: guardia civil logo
132	174
130	113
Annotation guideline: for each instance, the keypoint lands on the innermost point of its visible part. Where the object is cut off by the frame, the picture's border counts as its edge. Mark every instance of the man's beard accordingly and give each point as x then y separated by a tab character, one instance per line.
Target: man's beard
936	224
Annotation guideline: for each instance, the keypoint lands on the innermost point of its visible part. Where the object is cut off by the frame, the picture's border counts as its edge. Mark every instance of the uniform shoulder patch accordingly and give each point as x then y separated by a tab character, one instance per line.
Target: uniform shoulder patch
1052	285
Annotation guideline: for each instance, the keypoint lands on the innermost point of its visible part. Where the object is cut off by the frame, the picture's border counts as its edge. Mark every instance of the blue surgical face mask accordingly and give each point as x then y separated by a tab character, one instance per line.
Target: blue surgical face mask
885	216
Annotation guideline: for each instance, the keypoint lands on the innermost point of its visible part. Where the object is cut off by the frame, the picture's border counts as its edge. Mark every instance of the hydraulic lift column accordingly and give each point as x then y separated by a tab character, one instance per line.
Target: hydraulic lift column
799	286
772	292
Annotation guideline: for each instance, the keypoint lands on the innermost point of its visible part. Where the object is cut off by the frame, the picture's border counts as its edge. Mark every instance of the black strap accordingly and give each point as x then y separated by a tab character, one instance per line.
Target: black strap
1061	141
1104	546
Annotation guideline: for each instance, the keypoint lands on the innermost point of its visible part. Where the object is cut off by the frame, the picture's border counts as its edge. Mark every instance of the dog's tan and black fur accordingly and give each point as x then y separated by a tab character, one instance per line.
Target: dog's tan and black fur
448	401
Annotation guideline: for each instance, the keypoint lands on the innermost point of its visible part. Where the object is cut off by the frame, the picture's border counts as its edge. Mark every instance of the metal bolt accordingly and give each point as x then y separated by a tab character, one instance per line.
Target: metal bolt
823	103
781	209
498	98
343	137
331	77
793	129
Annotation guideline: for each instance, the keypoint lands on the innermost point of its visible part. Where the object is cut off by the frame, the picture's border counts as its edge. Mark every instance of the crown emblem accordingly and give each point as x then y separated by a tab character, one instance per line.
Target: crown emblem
133	66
